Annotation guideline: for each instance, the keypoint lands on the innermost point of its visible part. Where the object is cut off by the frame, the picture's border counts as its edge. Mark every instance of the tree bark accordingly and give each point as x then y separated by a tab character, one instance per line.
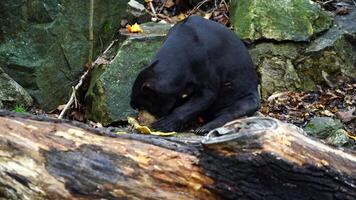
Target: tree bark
253	158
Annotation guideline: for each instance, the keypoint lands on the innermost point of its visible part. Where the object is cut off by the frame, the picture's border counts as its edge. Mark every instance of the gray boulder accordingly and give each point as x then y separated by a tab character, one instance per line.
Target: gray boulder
11	93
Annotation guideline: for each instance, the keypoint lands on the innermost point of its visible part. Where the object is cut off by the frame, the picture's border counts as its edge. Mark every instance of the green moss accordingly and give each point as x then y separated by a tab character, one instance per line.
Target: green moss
96	106
95	96
243	26
105	27
19	108
322	22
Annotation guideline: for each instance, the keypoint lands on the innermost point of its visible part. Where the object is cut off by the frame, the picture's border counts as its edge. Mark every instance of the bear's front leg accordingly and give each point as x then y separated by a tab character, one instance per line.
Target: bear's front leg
176	120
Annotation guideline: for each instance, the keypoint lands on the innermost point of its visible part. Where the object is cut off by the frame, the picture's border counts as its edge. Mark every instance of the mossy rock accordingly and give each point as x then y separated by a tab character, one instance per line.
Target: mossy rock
333	53
322	127
338	138
296	20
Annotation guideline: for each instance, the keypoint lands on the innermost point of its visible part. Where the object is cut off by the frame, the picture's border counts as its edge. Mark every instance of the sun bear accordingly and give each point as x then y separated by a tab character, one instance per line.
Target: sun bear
202	69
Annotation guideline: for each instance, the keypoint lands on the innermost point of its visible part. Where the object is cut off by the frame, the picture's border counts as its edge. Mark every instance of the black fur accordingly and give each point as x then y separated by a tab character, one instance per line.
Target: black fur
207	64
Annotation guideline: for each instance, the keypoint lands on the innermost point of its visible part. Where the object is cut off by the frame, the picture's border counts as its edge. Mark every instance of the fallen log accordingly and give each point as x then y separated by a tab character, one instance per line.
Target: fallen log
253	158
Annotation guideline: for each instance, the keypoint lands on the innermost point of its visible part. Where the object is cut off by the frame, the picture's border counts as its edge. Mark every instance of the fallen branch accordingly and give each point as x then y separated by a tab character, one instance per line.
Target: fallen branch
253	158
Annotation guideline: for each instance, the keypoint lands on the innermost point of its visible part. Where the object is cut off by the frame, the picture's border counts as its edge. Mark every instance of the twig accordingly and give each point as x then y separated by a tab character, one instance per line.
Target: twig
327	2
75	98
109	47
161	8
72	97
225	4
197	7
153	9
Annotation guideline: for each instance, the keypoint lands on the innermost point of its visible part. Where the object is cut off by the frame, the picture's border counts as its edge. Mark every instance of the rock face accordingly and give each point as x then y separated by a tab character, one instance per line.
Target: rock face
334	53
11	93
110	87
279	20
44	44
276	67
293	66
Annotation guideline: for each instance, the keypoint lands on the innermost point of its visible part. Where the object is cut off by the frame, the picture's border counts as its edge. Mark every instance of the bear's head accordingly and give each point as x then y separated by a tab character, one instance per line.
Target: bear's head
147	94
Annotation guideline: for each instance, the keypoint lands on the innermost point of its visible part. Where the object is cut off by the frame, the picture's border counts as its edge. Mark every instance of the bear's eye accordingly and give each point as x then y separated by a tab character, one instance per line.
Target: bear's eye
146	87
184	96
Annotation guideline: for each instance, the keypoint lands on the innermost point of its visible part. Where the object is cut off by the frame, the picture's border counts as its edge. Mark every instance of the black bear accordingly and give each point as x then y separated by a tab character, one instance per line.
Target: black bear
202	69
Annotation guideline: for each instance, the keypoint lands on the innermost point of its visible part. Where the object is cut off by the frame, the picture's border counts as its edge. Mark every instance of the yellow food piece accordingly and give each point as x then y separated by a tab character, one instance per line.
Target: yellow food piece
159	133
145	129
134	28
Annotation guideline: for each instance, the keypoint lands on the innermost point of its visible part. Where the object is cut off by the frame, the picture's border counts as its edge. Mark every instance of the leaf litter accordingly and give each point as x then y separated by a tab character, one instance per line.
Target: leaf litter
173	11
300	107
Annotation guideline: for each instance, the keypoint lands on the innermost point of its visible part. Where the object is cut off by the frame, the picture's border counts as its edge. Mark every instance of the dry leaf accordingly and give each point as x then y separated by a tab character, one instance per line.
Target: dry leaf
169	3
181	17
327	113
101	61
351	136
208	15
346	116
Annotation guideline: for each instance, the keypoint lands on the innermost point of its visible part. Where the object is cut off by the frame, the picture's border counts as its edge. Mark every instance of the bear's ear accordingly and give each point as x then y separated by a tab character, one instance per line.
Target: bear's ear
153	63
